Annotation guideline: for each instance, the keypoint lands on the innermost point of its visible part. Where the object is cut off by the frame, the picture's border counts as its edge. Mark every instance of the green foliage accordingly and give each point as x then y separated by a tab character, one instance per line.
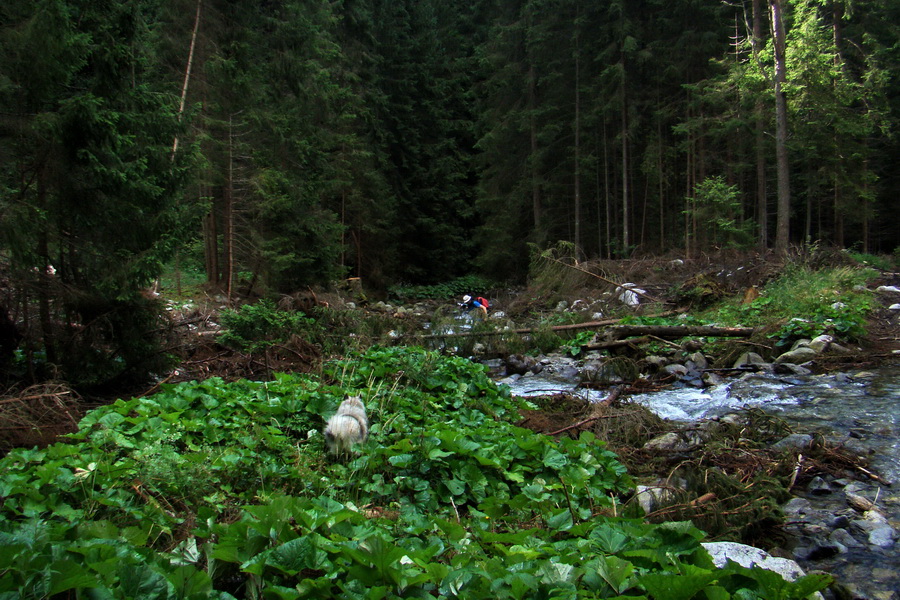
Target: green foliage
716	208
455	289
830	300
215	490
878	261
574	344
255	327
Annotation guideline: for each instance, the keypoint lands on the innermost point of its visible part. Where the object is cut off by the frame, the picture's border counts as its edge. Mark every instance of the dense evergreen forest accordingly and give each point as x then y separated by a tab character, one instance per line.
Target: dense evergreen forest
277	144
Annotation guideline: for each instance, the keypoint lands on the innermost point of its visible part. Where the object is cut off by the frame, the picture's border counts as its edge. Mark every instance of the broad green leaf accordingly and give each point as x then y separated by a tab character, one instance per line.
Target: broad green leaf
672	586
298	554
561	521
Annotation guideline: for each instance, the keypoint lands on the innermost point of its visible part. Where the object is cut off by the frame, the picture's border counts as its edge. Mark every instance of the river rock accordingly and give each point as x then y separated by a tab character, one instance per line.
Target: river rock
519	364
821	343
676	369
712	379
697	361
748	359
797	356
799	441
673	442
749	557
887	289
843	539
656	362
883	536
818	486
791	369
651	497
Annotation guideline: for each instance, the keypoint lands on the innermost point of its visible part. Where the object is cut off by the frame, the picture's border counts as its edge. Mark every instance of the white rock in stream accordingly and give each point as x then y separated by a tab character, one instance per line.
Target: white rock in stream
749	557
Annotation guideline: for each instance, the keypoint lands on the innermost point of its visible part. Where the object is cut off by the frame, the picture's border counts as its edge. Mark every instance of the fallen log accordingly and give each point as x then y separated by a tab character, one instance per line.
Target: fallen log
618	343
615	336
527	330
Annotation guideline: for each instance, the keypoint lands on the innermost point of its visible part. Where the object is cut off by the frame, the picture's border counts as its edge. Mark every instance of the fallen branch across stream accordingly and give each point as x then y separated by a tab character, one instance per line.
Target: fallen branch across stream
528	330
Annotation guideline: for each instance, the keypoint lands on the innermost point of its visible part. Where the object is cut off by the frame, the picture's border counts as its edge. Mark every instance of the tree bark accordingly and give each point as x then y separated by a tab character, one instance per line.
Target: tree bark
228	217
537	214
626	241
762	209
577	172
782	227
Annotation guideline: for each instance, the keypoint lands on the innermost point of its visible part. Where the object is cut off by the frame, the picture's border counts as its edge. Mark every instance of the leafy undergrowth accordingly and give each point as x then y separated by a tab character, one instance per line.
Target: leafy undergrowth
221	490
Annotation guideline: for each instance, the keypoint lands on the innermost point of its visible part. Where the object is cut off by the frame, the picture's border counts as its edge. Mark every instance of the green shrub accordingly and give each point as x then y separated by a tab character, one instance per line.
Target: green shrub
474	285
808	302
255	327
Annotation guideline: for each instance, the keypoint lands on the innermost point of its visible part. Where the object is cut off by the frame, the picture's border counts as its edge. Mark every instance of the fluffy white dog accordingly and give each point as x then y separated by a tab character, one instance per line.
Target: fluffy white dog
348	427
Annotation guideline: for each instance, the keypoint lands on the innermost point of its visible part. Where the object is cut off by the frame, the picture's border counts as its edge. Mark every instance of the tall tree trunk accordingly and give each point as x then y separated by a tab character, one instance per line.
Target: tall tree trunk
577	172
783	216
228	217
537	213
606	193
187	71
661	191
762	208
211	247
626	241
837	15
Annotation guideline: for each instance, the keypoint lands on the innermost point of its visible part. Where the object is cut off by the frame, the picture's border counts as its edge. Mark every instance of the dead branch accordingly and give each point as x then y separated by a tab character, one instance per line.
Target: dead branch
604	279
529	330
617	391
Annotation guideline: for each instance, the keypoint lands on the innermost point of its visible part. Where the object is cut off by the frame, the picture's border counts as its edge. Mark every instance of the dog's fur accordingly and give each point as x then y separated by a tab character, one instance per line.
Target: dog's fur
348	427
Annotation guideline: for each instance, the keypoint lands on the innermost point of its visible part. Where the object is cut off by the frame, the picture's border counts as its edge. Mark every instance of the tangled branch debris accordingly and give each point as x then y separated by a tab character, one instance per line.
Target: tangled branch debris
37	415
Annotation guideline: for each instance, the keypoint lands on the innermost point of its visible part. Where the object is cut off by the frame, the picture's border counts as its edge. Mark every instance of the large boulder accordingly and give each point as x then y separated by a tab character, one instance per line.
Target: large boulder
749	557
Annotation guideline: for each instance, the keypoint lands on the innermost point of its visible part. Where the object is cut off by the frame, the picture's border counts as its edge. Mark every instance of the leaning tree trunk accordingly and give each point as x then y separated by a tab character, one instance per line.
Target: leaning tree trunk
187	71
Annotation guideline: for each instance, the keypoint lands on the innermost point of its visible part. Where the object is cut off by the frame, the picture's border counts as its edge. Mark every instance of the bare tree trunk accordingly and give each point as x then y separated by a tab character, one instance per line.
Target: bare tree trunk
661	191
626	241
187	71
228	217
577	173
783	216
606	193
211	246
837	14
762	207
535	180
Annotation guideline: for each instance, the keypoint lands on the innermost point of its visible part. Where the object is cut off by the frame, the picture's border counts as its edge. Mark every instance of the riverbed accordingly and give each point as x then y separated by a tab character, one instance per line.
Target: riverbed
857	407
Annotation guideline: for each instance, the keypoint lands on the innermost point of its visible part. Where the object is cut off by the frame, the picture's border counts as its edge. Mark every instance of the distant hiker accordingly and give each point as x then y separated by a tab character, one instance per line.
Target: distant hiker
480	304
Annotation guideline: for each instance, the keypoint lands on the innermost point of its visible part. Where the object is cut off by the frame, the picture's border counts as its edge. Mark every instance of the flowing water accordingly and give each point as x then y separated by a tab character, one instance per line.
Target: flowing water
863	406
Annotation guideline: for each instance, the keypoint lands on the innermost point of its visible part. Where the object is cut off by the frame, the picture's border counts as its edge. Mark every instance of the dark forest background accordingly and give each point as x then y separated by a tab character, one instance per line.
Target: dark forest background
280	144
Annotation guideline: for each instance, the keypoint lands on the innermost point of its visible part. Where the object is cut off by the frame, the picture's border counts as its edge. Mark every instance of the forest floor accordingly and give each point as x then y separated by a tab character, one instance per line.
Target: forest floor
37	415
736	482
